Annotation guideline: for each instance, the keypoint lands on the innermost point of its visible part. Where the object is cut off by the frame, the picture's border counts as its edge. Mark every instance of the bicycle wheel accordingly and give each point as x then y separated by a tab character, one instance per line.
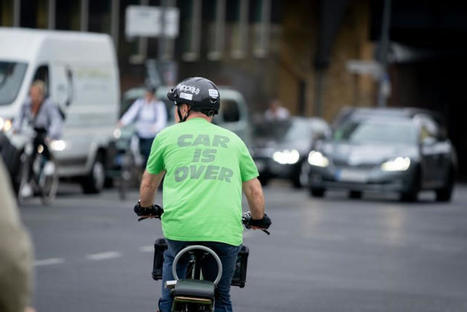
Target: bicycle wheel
48	182
23	177
126	175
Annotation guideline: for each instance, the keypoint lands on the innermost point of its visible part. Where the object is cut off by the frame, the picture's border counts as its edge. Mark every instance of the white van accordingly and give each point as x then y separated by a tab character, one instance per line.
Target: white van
81	75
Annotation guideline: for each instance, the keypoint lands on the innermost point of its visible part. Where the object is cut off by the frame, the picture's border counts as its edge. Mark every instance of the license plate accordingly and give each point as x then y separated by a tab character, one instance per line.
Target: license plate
349	175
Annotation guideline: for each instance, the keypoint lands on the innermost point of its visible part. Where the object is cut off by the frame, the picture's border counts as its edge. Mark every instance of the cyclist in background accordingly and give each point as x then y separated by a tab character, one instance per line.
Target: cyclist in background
150	117
44	117
206	168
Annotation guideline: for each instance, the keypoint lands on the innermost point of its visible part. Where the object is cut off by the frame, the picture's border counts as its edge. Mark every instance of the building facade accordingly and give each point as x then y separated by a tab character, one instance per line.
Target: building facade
264	48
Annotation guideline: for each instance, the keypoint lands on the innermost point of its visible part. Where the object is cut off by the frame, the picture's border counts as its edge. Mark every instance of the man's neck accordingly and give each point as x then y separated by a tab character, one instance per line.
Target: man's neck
35	107
199	115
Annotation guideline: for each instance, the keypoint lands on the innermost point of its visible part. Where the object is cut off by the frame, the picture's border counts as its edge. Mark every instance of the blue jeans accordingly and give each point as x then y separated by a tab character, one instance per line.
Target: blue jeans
145	148
227	254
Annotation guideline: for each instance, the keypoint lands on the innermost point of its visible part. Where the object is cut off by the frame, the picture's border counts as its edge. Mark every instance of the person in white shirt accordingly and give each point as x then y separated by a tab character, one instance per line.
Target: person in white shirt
276	111
149	116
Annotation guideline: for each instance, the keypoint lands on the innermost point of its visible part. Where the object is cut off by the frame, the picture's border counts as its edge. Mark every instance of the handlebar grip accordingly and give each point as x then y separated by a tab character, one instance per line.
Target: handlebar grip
146	212
263	223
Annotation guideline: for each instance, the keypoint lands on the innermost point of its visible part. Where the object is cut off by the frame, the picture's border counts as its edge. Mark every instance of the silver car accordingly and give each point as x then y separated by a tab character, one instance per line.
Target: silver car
387	150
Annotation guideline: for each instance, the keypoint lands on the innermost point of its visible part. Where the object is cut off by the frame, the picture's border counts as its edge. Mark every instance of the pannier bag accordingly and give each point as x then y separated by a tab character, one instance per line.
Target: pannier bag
159	247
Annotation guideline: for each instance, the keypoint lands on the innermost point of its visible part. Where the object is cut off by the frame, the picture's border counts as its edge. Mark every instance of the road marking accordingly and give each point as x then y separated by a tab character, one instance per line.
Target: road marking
104	255
49	261
441	248
147	248
330	237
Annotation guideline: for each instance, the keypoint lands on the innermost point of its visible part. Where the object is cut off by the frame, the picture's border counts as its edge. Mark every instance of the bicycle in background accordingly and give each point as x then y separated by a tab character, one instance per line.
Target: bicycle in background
34	168
127	162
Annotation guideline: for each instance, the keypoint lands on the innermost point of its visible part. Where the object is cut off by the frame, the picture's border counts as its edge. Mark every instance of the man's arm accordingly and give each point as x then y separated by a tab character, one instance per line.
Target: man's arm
254	195
130	114
56	122
149	184
161	116
18	122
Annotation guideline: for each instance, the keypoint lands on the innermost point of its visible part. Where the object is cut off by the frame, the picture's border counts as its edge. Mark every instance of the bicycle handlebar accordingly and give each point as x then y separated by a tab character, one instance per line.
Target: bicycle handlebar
156	211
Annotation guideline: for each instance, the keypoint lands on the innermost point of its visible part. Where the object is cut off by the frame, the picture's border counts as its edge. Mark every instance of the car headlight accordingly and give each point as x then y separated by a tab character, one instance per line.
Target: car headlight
317	159
286	157
396	164
58	145
5	124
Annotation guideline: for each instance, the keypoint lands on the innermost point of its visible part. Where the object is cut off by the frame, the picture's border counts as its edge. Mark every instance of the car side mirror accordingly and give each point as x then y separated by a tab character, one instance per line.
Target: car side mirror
429	141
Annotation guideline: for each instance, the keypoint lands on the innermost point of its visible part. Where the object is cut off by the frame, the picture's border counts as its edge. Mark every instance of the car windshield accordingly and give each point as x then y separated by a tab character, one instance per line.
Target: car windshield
377	131
288	130
11	77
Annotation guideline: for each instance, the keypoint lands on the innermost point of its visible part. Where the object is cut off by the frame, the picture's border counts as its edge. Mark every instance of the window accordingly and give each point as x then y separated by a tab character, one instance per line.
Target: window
428	128
42	73
230	111
239	11
11	80
216	30
192	38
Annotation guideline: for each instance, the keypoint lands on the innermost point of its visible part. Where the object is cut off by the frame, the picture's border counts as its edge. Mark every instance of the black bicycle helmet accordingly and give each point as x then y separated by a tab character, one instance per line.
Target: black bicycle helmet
199	93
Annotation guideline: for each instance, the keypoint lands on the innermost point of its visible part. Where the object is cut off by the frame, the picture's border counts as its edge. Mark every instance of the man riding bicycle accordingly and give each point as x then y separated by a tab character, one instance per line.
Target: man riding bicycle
206	168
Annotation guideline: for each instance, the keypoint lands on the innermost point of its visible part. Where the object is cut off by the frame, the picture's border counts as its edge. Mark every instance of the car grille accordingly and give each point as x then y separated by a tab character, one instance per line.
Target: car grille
345	164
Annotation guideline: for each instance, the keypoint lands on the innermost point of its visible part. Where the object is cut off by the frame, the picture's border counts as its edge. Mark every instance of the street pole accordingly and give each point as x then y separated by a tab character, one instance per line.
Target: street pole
384	82
16	13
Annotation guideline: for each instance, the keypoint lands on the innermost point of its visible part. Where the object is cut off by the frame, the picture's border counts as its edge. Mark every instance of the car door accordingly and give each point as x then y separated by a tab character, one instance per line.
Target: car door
435	151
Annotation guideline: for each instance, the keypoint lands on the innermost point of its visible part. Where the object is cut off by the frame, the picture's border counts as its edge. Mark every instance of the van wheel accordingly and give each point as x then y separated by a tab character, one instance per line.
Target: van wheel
93	183
355	194
317	192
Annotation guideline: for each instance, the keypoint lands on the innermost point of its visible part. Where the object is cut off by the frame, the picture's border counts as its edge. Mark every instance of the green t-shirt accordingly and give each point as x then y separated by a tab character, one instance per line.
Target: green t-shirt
205	167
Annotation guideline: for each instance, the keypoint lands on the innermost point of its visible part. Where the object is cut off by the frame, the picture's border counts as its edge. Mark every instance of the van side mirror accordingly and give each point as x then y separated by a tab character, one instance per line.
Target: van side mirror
318	136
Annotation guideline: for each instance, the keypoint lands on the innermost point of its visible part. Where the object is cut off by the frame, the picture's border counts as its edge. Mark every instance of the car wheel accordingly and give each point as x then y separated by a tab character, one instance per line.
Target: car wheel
317	192
264	180
408	197
93	183
444	194
355	194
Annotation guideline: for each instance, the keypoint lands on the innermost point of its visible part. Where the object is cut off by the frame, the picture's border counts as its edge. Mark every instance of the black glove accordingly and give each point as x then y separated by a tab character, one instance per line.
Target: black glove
263	223
145	212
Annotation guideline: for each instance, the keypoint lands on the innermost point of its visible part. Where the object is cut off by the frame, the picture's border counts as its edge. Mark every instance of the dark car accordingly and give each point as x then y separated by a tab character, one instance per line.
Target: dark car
387	150
280	147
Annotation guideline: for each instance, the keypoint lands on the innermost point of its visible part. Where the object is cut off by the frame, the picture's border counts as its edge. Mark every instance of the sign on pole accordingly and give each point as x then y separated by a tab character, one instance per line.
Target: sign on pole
147	21
364	67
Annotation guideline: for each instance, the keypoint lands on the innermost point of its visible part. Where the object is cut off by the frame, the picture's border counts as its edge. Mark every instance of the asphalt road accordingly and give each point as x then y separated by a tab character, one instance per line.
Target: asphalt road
331	254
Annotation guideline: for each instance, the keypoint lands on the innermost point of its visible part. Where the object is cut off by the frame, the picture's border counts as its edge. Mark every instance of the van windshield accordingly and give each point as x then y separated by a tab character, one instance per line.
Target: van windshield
11	77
